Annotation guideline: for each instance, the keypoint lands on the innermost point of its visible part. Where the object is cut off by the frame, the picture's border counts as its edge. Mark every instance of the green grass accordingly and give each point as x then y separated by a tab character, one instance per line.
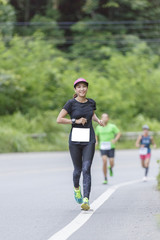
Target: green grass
16	131
15	135
12	140
158	219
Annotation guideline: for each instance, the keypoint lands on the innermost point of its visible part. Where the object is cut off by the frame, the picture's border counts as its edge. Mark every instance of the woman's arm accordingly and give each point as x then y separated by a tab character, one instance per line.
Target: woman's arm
138	141
61	119
96	119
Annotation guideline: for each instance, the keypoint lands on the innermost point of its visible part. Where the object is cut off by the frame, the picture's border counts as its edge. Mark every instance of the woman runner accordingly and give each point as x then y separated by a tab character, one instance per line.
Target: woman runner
143	142
81	139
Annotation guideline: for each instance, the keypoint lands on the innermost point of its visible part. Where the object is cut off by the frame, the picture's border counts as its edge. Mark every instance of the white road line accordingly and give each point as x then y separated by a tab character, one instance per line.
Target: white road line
83	217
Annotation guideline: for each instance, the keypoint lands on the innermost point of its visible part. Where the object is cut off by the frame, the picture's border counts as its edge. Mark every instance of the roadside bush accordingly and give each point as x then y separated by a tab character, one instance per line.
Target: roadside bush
7	17
22	133
12	140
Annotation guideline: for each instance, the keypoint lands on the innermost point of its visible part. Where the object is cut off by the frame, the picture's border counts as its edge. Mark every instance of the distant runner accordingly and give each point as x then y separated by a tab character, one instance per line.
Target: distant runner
143	143
106	137
82	138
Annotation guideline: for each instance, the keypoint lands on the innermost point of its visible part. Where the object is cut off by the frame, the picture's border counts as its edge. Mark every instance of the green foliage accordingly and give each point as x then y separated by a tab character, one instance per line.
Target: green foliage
46	25
120	83
41	60
16	133
131	83
3	2
90	6
140	120
7	17
10	92
12	141
35	77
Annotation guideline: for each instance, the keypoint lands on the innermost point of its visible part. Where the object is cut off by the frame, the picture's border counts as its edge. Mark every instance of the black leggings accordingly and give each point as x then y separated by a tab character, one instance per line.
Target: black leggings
82	156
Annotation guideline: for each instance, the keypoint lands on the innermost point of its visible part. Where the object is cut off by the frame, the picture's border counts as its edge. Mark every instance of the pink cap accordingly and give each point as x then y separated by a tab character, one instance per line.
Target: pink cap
80	80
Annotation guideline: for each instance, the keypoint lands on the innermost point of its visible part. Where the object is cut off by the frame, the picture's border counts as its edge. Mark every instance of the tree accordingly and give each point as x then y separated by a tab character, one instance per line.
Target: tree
7	17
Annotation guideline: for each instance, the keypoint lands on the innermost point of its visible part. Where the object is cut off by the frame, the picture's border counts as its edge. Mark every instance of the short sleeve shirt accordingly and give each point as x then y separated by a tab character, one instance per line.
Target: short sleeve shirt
107	133
77	110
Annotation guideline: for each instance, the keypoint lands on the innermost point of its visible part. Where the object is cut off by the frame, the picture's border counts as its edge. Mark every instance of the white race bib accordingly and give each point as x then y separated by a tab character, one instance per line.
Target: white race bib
80	135
143	151
105	146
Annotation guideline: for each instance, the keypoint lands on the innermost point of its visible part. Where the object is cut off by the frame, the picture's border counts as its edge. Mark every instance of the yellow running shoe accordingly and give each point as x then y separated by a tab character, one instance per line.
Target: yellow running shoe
85	205
78	195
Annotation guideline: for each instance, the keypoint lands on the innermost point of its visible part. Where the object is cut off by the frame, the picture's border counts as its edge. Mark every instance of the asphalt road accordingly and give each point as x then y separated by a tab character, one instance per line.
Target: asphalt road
36	198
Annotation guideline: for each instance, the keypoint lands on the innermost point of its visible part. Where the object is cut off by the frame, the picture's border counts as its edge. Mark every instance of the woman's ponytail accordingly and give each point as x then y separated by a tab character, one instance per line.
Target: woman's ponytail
75	95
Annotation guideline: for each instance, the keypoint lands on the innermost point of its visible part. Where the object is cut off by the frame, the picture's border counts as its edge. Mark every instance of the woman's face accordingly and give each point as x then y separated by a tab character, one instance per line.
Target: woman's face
81	89
145	131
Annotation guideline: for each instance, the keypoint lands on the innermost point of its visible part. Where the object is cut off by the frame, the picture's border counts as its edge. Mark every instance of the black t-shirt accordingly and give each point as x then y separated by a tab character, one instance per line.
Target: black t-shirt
77	110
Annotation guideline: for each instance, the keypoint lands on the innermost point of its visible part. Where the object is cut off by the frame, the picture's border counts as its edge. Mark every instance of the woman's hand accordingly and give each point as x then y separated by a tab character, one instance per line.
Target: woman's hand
96	119
81	121
100	122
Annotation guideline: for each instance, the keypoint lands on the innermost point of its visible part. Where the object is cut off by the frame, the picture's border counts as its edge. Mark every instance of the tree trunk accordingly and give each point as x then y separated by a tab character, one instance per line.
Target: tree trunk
27	10
55	4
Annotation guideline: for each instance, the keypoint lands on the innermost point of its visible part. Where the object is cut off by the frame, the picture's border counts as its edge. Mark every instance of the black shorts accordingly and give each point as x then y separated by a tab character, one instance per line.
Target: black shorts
109	153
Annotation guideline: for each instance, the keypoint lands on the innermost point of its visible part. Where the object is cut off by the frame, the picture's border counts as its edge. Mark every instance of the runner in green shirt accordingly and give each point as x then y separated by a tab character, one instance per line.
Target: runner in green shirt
106	137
